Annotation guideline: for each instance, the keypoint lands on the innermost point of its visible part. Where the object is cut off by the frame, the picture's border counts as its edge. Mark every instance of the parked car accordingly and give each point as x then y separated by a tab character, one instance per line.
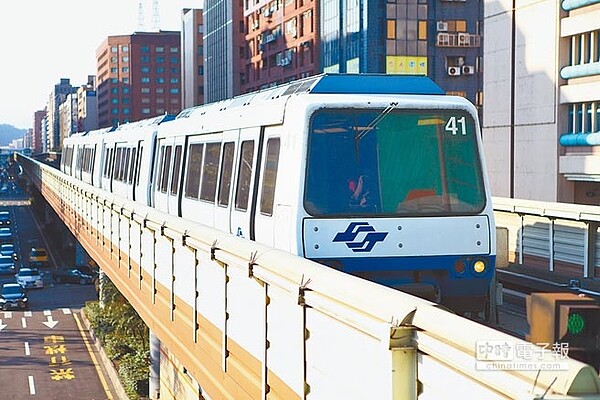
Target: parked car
7	265
12	295
6	235
81	274
38	257
5	218
30	278
8	249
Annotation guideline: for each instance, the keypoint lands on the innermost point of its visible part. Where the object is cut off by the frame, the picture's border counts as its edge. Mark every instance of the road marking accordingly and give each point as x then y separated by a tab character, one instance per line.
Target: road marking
31	385
47	312
7	314
24	322
27	313
27	353
93	356
50	323
66	311
2	326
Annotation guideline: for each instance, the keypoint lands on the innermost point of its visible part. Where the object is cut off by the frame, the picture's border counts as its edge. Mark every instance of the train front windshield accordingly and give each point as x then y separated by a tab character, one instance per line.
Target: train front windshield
393	162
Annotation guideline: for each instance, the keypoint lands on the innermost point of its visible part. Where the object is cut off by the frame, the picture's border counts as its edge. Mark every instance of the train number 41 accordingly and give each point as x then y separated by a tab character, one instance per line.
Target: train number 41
454	125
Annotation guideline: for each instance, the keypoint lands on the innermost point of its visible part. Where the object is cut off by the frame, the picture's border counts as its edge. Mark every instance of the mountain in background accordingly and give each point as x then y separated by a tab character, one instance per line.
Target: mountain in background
8	133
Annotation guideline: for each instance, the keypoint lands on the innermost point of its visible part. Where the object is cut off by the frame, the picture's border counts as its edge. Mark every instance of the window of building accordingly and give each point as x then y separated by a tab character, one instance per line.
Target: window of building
145	79
145	100
174	80
114	90
125	59
145	90
114	111
159	49
114	59
200	70
160	90
145	111
160	60
174	49
114	100
200	50
114	49
125	80
174	90
145	49
145	59
114	80
391	29
174	60
126	111
125	90
160	79
125	69
160	70
124	49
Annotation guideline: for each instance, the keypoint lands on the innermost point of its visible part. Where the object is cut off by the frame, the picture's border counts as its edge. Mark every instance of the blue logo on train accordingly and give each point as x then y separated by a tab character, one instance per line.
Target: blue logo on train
352	231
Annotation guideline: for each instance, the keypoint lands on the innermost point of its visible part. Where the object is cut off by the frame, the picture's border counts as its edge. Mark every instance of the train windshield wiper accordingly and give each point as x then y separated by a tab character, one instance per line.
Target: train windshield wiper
362	132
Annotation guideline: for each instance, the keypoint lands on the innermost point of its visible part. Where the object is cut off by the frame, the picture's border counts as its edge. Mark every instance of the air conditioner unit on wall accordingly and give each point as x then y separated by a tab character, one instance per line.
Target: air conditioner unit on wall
468	70
463	39
454	71
442	26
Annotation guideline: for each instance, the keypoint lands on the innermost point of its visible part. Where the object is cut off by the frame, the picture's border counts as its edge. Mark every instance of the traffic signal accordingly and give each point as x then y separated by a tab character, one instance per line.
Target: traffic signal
564	318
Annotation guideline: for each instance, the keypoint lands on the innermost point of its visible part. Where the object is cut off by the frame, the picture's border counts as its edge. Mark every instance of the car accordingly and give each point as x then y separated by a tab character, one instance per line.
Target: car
13	296
81	274
38	256
8	249
6	235
30	278
7	265
5	218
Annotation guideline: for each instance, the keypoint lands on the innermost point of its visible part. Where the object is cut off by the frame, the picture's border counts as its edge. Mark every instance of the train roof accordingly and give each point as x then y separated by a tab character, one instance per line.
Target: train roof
330	84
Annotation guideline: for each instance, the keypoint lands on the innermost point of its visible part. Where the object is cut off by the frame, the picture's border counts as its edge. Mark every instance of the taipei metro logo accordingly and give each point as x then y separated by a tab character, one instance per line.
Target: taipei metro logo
352	231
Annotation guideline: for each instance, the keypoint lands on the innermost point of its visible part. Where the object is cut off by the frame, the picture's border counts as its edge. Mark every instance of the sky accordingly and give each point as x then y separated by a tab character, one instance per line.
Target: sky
43	41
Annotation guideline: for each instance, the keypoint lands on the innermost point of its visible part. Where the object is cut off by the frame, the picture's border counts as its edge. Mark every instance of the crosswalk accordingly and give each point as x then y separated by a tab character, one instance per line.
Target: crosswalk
25	316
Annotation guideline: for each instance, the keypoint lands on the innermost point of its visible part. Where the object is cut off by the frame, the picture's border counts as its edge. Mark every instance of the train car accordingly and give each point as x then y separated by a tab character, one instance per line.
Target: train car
378	176
81	156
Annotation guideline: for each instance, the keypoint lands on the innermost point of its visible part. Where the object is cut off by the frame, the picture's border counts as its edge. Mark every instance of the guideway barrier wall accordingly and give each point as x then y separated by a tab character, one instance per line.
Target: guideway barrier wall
251	322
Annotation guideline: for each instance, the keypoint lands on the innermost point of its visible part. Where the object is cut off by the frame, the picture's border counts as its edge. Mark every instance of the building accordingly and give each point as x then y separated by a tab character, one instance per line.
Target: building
87	106
280	44
224	45
58	95
37	144
192	45
139	76
541	118
67	117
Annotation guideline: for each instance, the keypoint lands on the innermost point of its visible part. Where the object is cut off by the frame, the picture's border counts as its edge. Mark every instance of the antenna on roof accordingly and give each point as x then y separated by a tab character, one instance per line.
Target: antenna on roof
140	27
155	16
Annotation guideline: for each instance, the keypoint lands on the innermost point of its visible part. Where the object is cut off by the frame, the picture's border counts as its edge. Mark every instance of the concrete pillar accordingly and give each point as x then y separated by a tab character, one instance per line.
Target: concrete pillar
154	381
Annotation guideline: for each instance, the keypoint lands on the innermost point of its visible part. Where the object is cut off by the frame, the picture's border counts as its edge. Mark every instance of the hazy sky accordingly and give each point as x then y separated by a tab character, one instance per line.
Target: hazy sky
43	41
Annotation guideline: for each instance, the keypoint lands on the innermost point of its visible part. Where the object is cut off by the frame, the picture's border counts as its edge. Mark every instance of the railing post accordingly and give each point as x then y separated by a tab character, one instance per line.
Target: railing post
404	363
589	250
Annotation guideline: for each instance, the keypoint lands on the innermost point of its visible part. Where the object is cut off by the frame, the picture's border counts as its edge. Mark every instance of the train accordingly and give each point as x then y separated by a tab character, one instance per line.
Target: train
379	176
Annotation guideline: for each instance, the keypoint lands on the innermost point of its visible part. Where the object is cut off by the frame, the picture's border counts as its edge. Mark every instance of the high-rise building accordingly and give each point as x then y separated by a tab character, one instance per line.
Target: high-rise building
192	45
224	44
139	76
87	106
67	116
541	114
38	126
58	95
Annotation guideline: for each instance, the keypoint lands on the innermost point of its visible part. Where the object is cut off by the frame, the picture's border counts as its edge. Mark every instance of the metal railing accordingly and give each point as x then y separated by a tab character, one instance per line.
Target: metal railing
252	322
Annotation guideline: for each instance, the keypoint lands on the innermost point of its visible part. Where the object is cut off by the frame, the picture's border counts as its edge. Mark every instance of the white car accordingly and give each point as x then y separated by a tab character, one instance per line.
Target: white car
30	278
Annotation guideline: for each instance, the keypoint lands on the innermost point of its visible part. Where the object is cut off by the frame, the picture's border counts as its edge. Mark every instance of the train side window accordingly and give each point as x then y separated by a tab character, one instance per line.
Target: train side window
160	167
176	168
210	170
166	168
138	164
126	164
117	164
267	195
242	193
192	183
226	173
132	165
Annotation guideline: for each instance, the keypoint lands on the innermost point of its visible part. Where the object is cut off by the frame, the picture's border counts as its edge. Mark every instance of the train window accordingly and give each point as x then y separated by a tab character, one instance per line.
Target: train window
374	152
242	193
226	172
117	164
210	170
166	168
192	174
267	195
132	165
126	164
160	167
138	166
176	167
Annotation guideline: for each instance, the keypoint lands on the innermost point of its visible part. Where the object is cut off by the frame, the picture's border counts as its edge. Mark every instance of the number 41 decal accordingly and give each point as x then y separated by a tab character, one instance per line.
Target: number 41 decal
455	124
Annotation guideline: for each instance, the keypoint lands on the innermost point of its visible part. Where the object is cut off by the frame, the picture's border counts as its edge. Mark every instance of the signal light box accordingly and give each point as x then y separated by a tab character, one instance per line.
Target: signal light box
564	318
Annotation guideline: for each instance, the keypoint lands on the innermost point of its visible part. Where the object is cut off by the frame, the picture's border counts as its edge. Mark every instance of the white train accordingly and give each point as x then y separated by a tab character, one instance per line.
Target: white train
379	176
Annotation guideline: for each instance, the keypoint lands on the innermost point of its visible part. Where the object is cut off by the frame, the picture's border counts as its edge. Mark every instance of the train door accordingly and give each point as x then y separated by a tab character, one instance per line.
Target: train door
222	219
264	213
242	203
167	182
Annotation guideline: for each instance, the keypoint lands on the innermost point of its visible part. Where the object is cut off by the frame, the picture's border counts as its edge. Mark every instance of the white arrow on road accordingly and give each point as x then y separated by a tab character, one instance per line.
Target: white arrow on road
2	326
50	323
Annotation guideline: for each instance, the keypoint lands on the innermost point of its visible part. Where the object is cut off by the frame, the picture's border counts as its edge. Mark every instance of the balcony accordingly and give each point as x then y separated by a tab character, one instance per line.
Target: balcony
459	39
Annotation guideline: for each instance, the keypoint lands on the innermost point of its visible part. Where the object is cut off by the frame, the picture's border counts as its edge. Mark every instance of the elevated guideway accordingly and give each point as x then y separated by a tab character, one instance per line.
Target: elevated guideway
251	322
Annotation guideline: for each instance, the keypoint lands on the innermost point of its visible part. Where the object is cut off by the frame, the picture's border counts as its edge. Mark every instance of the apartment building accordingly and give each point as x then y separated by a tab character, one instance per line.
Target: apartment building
192	44
541	118
138	76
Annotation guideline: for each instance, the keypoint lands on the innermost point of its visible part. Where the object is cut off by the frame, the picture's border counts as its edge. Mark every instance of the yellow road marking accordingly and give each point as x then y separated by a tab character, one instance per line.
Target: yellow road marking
94	361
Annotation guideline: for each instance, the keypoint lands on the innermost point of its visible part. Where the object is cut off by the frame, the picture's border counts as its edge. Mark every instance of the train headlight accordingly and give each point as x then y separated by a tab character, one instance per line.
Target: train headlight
479	266
459	266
